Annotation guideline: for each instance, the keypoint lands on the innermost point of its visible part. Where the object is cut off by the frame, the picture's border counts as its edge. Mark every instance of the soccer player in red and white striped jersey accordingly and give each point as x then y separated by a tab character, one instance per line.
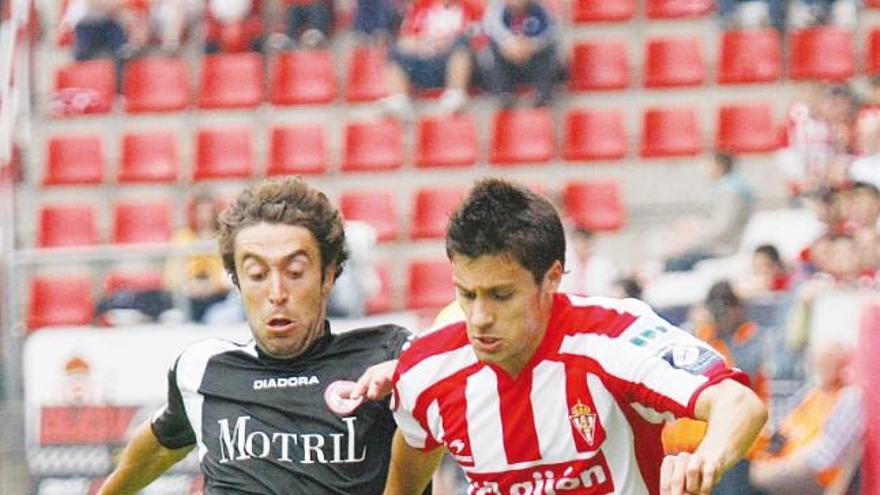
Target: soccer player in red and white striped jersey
538	392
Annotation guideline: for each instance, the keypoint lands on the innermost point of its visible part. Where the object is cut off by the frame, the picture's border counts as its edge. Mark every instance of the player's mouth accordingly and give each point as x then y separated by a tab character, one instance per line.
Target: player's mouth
486	343
279	324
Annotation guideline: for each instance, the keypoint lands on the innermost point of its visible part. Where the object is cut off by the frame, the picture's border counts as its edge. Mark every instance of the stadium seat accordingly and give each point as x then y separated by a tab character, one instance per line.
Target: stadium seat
142	222
67	225
133	281
381	301
594	135
429	284
598	66
872	4
822	53
674	62
74	160
366	74
431	210
95	77
872	54
149	157
603	10
304	77
298	150
376	208
746	128
670	132
223	154
447	141
594	205
750	56
232	80
522	136
156	85
60	301
677	9
373	146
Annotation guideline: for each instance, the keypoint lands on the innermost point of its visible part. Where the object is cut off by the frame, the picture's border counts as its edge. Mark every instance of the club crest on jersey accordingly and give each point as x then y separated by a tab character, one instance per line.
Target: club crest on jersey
584	420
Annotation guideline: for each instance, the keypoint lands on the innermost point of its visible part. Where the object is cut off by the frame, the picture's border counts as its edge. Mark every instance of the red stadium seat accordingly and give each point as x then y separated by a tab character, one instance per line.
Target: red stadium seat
67	225
142	222
599	66
74	160
150	157
677	9
298	150
671	132
381	301
822	53
522	136
674	62
594	135
872	55
429	284
366	74
223	154
97	78
156	85
232	80
750	56
746	129
60	301
594	205
603	10
431	210
304	77
376	208
133	281
447	141
872	4
373	146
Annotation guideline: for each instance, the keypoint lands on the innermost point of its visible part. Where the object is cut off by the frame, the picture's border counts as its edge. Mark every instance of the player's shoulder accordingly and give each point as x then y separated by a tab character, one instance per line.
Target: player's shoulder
438	342
377	335
208	348
604	315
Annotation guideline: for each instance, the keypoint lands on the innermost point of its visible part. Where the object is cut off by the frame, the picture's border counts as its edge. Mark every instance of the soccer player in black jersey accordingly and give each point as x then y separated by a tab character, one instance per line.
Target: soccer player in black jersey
259	414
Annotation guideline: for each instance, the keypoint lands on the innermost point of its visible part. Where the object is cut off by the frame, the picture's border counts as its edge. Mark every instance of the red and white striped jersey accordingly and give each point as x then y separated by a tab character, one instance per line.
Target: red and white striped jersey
583	417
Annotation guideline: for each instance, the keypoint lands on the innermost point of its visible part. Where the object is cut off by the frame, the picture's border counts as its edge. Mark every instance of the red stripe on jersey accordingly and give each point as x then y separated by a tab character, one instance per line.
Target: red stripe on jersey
734	374
586	428
518	418
445	339
453	412
599	320
647	445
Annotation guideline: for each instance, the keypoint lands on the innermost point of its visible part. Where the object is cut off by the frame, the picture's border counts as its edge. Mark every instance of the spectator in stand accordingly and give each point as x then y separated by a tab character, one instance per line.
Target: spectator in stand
588	272
309	21
718	234
807	144
433	51
378	19
868	248
200	277
360	280
233	26
626	287
769	274
817	444
523	36
99	29
866	168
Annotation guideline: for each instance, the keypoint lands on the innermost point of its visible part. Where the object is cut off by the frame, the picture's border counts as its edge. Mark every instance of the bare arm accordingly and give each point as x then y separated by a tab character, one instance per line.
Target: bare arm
142	461
411	469
735	416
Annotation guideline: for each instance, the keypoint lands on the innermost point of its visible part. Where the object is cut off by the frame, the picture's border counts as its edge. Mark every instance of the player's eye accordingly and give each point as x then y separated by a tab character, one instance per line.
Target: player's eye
294	274
502	295
257	276
470	296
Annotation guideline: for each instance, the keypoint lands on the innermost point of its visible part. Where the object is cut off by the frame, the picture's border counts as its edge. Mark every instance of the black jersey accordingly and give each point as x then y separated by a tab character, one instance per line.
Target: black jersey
262	426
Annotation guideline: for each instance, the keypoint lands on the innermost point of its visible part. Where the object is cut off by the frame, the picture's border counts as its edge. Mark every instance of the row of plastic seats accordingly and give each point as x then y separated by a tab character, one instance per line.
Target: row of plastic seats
624	10
524	136
596	205
309	77
68	300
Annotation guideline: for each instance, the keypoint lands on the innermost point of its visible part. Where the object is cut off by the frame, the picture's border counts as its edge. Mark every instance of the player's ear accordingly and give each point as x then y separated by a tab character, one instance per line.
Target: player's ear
553	277
328	279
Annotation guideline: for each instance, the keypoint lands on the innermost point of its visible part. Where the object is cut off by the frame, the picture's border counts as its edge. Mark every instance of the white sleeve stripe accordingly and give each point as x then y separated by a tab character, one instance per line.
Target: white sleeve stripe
635	365
190	372
411	430
430	371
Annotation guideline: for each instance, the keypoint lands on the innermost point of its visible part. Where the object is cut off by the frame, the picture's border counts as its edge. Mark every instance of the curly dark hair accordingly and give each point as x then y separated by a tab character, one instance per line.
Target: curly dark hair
288	201
500	217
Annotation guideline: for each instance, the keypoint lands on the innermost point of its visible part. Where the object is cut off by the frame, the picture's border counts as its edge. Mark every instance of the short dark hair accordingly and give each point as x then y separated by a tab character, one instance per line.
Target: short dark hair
500	217
726	160
867	187
770	251
288	201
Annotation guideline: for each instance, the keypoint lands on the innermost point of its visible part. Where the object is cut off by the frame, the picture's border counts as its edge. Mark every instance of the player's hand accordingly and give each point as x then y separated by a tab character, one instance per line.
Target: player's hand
376	382
688	474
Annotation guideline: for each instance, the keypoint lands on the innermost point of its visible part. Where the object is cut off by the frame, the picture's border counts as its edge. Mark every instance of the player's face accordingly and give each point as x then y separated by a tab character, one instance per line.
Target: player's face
284	294
506	311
